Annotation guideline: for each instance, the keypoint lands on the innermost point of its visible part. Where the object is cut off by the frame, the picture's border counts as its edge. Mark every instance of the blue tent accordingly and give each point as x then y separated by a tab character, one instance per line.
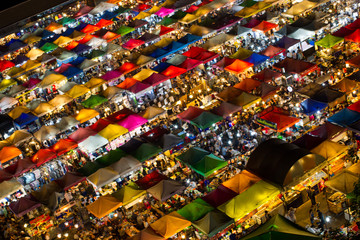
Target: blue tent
15	44
109	15
47	34
68	32
81	26
25	119
310	106
72	72
161	67
159	53
345	117
20	59
81	48
256	59
189	39
174	47
78	60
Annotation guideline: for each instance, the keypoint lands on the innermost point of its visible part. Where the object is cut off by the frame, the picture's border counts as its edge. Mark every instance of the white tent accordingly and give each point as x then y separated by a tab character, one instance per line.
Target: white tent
92	143
102	7
126	165
96	42
103	176
9	187
7	102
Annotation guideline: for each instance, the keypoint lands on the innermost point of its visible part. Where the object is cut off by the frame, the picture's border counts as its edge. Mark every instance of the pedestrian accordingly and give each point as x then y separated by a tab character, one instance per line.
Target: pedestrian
312	217
322	220
311	195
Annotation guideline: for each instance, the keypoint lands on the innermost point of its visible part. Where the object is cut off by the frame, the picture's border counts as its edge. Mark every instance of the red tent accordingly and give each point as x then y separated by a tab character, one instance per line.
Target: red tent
224	63
354	37
63	67
69	180
43	156
32	82
155	79
5	176
193	52
192	9
238	66
272	51
127	67
165	30
103	23
119	115
110	36
21	166
252	23
24	205
100	125
133	43
264	26
89	29
150	180
141	7
63	146
247	84
342	32
190	113
277	119
81	134
354	62
206	56
355	106
173	71
87	38
189	64
266	75
128	82
354	25
296	66
72	45
138	87
4	64
219	196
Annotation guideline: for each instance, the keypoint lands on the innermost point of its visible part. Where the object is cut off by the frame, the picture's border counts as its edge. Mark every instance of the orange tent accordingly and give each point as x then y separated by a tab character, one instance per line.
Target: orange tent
127	67
170	224
127	83
265	26
43	156
103	23
53	26
110	36
63	146
242	181
8	153
72	45
354	37
87	38
90	29
238	66
247	84
103	206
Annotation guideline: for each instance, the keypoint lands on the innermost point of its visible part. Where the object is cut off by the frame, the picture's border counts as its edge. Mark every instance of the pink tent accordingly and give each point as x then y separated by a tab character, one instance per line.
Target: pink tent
81	134
132	122
133	43
206	56
63	67
189	64
138	87
163	12
190	113
111	75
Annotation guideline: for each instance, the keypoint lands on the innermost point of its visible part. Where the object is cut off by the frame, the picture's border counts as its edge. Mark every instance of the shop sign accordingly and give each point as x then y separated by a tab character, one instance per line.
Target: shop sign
266	123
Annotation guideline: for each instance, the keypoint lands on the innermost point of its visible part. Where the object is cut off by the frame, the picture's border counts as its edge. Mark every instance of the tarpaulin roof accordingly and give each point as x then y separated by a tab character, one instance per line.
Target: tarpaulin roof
146	234
241	182
133	43
137	23
329	149
143	74
60	100
272	51
24	205
190	113
103	206
148	37
4	64
206	120
123	30
25	119
4	175
9	152
173	71
155	79
346	85
299	8
255	196
127	67
168	141
52	79
329	96
146	151
77	91
229	93
142	60
225	109
81	134
43	156
113	131
224	62
20	166
189	39
46	132
128	193
278	227
102	7
9	187
69	180
195	210
238	66
82	11
17	111
151	112
165	189
19	60
208	165
126	165
310	106
48	47
247	84
241	54
353	37
342	32
132	121
103	176
343	182
89	168
94	101
170	224
281	120
111	157
301	34
85	115
354	62
100	125
217	41
265	26
63	146
245	100
150	179
329	41
219	196
200	31
213	222
296	66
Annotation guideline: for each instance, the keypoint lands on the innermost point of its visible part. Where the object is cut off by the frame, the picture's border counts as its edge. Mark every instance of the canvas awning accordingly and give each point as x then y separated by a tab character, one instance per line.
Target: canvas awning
238	66
126	165
241	182
103	176
46	133
343	182
195	210
206	120
219	196
113	131
170	224
128	193
85	115
24	205
9	187
329	41
213	222
103	206
330	150
43	156
145	152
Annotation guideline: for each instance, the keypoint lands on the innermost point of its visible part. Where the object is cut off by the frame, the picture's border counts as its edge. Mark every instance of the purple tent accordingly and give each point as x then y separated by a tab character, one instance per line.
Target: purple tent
111	75
286	42
155	79
21	166
219	196
81	48
24	205
148	37
132	122
137	23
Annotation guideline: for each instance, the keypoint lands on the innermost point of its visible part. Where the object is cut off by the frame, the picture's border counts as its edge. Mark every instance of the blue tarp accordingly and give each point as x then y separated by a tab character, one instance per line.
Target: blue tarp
25	119
81	26
81	48
256	59
15	44
345	117
109	15
20	59
174	47
72	72
161	67
189	39
47	34
310	107
68	32
78	60
159	53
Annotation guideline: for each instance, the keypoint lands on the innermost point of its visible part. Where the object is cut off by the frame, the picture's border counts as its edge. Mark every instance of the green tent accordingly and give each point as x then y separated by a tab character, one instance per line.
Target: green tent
208	165
94	101
128	193
96	54
329	41
123	30
248	3
192	155
254	197
178	15
49	47
278	228
195	210
206	120
112	157
89	168
66	20
213	223
145	152
121	10
166	21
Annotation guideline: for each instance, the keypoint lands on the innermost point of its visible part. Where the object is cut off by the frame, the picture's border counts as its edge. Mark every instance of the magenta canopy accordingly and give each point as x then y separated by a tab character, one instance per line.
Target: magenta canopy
31	83
138	87
163	12
133	43
190	113
155	79
189	64
132	122
111	75
219	196
24	205
81	134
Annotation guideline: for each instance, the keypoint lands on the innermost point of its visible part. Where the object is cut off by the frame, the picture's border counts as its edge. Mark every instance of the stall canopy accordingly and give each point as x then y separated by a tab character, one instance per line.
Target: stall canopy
89	168
247	84
92	143
85	115
170	224
346	86
329	41
192	155
311	107
343	182
354	62
165	189
81	134
169	141
241	182
111	157
241	54
9	187
329	149
195	210
24	119
213	222
103	176
289	161
190	113
208	165
103	206
276	119
63	146
24	205
94	101
152	112
345	117
278	227
146	234
43	156
46	133
9	152
265	26
254	197
206	120
69	180
219	196
113	131
150	179
128	193
225	109
238	66
48	195
19	167
126	165
132	122
145	152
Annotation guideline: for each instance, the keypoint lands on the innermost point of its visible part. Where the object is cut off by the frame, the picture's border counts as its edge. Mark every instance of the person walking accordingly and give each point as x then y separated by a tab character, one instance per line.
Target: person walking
311	195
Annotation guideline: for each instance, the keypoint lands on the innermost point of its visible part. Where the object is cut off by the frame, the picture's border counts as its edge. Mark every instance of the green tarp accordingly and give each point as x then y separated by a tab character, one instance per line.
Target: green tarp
213	222
96	54
93	101
192	155
206	120
195	210
166	21
145	152
329	41
112	157
255	196
128	193
48	47
121	10
178	15
66	20
89	168
208	165
123	30
280	228
248	3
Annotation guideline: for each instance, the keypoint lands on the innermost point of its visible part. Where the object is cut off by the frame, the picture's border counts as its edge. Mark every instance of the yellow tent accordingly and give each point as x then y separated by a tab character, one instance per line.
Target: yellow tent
85	115
113	131
53	26
15	72
170	224
8	153
160	44
103	176
34	53
330	150
242	53
203	10
242	181
17	111
189	18
103	206
6	83
60	100
52	79
154	9
143	74
129	193
94	83
43	109
32	39
142	60
299	8
343	182
77	91
151	112
111	91
355	168
31	65
247	12
142	15
19	136
62	41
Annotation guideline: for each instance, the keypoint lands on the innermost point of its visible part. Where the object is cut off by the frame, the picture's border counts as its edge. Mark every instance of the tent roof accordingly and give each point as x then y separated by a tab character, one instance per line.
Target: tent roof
165	189
354	37
354	62
272	51
265	26
17	111
208	165
24	205
81	134
238	66
92	143
151	112
225	109
113	131
329	149
145	152
9	187
85	115
63	146
20	166
168	141
241	54
242	181
190	113
69	180
213	222
170	224
195	210
128	193
247	84
103	176
346	85
126	165
219	196
132	121
150	179
343	182
329	41
94	101
103	206
146	234
206	120
9	152
296	66
310	107
42	156
192	155
111	157
344	117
